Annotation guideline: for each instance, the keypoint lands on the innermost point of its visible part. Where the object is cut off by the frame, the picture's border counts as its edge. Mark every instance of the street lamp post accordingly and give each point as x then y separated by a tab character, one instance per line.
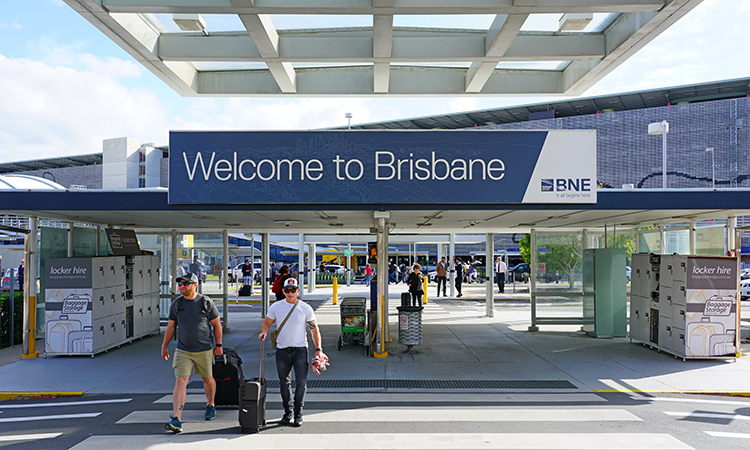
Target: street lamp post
349	118
713	167
661	128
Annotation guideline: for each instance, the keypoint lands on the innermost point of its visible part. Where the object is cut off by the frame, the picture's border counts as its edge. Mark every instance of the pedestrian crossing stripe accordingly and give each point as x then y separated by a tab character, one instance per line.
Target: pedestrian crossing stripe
404	415
28	437
371	441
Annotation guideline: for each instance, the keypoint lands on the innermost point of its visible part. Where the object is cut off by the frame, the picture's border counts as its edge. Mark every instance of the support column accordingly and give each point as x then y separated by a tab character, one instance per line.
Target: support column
691	233
490	274
266	278
312	262
225	254
29	292
452	264
301	262
380	333
70	239
532	281
662	241
349	270
98	243
731	235
173	263
252	263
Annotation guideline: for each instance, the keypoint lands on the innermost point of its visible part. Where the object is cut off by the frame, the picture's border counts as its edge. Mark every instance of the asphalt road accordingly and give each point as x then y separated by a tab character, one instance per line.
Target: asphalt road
450	420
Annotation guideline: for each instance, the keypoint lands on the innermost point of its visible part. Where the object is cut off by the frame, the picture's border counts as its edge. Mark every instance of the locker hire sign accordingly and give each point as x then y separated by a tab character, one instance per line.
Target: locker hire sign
346	167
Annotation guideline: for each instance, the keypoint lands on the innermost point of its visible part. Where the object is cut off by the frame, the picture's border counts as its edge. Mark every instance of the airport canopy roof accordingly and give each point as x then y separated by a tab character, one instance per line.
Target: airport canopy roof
149	210
381	47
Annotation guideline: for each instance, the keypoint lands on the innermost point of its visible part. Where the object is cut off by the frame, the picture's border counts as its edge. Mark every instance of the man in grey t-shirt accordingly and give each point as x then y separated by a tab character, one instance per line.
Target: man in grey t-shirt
196	320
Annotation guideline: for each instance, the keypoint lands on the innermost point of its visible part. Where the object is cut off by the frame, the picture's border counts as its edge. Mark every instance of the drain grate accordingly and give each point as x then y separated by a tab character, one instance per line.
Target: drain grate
421	384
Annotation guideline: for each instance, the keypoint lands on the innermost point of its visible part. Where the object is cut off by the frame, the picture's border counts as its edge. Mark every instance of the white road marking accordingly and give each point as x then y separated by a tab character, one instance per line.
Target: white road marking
367	397
29	437
91	402
425	441
707	415
59	416
412	415
697	400
728	435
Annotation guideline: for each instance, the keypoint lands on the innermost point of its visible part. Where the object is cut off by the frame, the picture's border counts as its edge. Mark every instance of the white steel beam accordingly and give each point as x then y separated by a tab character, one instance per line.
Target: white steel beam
261	30
382	44
500	36
349	7
357	45
357	81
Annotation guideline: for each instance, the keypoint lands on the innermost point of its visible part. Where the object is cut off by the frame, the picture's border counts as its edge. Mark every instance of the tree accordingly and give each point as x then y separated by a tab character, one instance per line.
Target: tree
559	252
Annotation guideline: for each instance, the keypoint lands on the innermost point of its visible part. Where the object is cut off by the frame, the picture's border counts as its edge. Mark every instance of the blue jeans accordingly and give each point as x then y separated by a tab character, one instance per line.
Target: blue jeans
367	280
286	359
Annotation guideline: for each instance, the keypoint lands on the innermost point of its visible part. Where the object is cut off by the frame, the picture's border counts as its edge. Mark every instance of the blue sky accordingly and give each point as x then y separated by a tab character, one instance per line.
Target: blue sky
65	87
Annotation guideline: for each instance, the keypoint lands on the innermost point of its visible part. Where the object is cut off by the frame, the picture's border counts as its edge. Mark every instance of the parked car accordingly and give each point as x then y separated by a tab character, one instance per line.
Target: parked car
334	268
519	272
745	274
744	289
627	274
6	281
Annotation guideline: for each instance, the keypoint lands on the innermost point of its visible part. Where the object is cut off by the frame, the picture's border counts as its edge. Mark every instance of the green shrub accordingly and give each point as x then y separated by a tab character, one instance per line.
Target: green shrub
5	340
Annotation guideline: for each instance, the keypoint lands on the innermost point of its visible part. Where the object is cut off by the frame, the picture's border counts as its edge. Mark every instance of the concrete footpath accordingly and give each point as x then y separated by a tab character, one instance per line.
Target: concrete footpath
460	344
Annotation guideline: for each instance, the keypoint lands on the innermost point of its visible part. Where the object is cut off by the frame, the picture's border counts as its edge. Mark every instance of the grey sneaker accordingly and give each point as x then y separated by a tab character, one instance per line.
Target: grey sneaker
174	425
210	413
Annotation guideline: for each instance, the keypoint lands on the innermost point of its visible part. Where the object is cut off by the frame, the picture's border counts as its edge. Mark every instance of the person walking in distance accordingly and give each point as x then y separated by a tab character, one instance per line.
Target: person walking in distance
196	321
500	269
296	316
415	282
442	275
368	274
278	283
459	275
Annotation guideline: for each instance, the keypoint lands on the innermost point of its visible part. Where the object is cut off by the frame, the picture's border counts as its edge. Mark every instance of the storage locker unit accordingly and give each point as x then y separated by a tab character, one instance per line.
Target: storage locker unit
89	304
693	305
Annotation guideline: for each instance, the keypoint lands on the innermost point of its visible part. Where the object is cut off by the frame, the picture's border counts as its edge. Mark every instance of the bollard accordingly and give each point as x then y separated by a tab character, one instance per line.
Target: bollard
335	290
424	288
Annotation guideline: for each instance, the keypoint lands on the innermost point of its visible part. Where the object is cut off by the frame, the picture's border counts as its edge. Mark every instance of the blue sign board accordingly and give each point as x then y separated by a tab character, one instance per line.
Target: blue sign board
466	166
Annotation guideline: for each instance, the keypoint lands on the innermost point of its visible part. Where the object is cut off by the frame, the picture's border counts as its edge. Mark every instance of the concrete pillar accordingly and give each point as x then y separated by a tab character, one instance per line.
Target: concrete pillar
29	296
532	281
266	278
301	262
173	263
452	264
490	274
71	230
312	261
225	254
731	236
691	232
382	244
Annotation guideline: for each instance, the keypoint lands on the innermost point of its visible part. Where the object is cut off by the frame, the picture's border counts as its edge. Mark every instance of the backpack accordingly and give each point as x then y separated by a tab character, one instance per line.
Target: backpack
205	309
278	283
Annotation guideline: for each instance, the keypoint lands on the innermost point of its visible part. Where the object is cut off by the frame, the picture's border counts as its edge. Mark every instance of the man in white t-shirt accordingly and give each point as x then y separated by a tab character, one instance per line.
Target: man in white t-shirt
292	348
500	269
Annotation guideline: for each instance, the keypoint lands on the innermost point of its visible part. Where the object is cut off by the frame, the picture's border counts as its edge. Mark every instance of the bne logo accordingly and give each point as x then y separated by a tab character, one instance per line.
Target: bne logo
566	184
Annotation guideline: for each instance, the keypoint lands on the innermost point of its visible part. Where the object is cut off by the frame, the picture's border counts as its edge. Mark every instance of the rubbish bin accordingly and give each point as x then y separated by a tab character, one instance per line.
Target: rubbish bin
373	294
410	325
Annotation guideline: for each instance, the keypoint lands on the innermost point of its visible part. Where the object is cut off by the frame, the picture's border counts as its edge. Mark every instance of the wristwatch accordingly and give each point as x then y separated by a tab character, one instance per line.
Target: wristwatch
318	349
218	345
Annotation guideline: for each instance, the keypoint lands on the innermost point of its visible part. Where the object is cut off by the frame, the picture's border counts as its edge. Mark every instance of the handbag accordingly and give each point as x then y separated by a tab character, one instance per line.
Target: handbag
275	333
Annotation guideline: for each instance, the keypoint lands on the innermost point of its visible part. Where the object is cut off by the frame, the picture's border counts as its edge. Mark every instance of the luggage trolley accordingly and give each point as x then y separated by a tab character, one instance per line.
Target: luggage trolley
353	321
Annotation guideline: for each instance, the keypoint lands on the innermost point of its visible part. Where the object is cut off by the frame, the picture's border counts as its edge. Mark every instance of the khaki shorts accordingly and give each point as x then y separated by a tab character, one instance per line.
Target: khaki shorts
183	363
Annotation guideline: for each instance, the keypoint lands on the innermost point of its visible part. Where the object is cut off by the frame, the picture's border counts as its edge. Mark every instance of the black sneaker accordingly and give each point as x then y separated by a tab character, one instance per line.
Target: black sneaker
298	421
287	419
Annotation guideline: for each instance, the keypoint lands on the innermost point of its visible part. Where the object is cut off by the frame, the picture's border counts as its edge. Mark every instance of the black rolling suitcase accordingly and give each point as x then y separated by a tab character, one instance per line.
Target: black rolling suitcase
253	401
227	372
405	299
245	291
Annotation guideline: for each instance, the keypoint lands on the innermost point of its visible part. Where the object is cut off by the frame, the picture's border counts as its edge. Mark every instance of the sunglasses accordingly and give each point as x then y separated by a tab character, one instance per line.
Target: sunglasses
290	289
185	283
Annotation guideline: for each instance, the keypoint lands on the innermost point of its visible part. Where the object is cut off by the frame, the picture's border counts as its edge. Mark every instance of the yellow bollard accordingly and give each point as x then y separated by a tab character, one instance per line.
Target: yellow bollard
32	329
335	290
424	289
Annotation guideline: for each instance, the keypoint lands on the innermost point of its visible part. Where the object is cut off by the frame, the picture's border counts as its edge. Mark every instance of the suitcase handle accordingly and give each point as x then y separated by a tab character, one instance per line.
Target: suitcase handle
224	356
260	368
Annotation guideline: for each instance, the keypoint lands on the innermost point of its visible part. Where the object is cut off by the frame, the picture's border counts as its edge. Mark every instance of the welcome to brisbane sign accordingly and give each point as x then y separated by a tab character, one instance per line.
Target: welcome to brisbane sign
348	167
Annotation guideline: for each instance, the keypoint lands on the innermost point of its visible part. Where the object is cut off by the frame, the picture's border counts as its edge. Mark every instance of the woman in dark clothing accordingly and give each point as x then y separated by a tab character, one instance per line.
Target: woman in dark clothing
278	282
415	281
459	275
